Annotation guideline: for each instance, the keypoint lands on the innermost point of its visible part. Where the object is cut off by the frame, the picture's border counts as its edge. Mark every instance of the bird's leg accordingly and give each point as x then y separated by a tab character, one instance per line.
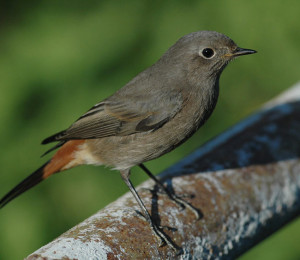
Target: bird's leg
178	200
157	231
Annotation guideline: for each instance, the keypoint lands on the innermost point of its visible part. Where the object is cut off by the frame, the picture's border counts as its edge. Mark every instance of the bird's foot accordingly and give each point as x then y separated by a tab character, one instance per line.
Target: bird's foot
183	204
178	199
164	238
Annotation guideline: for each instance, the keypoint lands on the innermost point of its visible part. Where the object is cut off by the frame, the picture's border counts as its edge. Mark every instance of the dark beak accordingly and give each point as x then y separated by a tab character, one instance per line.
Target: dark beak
240	51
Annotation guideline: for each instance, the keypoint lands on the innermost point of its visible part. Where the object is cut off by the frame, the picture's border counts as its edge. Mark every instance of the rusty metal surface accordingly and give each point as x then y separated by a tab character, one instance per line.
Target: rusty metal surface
245	182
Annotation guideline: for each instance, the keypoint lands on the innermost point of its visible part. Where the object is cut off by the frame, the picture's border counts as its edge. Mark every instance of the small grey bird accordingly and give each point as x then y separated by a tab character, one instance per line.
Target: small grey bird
151	115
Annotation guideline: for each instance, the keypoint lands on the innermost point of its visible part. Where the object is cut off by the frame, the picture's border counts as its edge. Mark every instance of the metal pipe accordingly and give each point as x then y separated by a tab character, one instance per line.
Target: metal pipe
245	183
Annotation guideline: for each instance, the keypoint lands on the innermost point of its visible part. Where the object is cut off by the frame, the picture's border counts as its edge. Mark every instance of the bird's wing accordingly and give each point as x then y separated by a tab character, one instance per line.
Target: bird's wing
119	116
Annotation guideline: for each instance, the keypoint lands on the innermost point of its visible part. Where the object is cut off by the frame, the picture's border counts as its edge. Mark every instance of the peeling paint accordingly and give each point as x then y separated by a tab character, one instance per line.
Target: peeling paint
213	181
75	249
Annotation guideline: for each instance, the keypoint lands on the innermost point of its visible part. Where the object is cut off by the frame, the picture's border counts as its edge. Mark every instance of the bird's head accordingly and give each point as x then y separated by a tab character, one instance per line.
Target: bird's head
204	54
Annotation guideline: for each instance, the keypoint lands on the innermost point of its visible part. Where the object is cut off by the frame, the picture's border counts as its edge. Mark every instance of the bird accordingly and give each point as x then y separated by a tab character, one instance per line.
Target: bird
151	115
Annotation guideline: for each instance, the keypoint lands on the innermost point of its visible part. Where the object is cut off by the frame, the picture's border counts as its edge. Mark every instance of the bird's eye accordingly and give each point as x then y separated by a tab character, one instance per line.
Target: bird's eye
208	53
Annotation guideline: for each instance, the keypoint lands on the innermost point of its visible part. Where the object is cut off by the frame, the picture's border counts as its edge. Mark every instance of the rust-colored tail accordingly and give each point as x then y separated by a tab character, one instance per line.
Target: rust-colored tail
62	160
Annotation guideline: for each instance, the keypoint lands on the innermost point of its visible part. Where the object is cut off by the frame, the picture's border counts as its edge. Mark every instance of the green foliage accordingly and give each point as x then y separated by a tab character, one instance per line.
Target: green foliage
58	58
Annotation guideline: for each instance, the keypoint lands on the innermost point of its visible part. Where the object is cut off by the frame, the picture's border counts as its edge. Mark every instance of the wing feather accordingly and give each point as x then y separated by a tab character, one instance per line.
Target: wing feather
122	116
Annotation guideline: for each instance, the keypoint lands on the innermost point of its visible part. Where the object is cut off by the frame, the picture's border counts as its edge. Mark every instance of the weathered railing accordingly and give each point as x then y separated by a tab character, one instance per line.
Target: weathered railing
245	183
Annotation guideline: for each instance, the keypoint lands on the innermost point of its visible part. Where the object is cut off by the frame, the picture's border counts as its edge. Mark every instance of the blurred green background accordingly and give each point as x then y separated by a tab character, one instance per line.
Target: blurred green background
58	58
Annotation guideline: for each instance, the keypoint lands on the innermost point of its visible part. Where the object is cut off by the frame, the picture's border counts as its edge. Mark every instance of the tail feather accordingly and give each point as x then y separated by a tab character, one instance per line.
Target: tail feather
53	138
54	148
25	185
63	159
